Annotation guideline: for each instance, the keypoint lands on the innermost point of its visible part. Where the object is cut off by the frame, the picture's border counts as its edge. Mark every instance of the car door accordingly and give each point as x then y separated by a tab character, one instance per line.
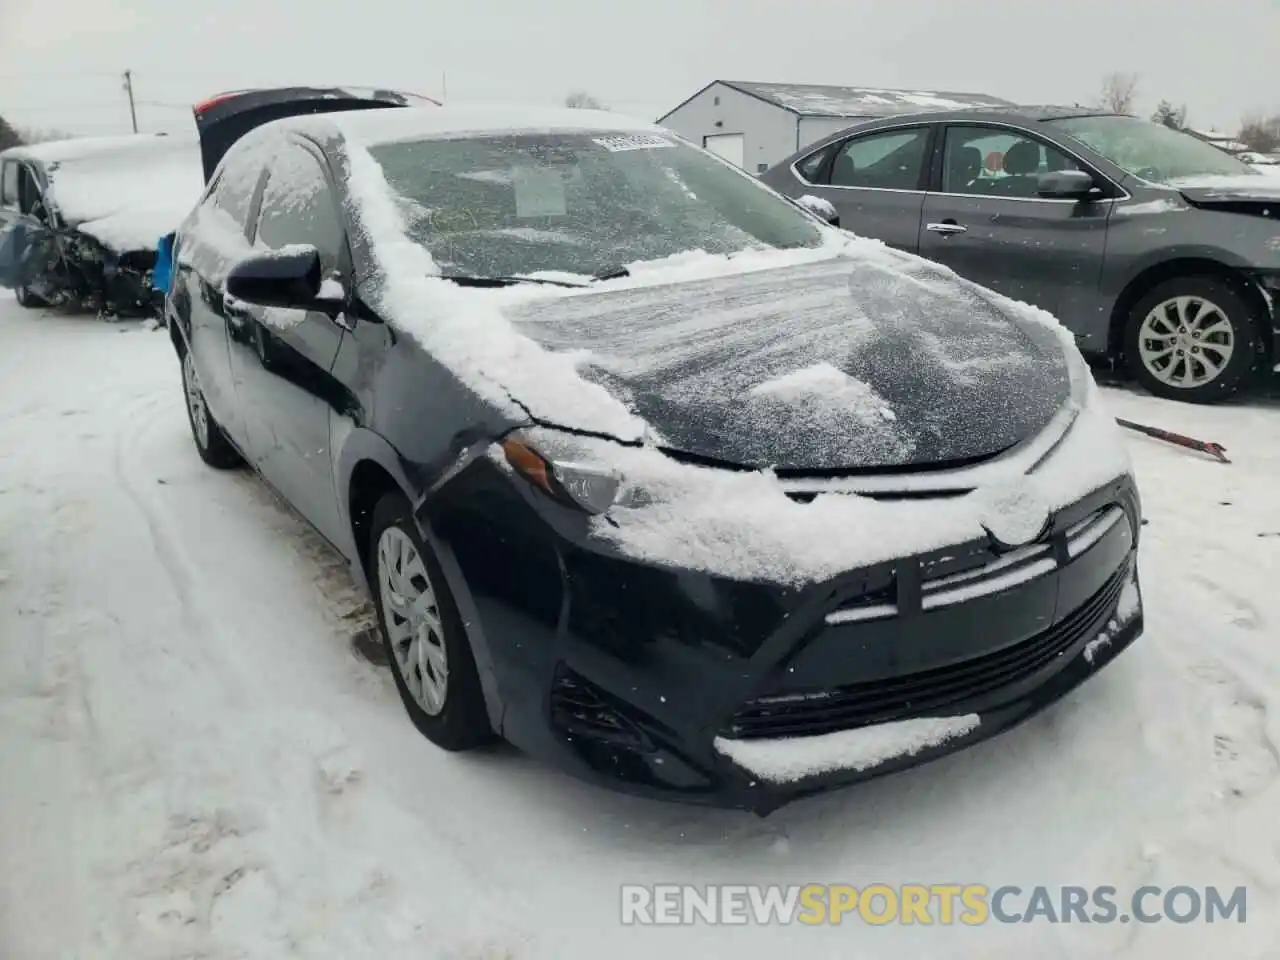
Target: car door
876	182
208	245
985	219
282	362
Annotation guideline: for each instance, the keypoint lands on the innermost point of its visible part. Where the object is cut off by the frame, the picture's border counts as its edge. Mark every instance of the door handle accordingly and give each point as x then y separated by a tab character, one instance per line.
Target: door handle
946	228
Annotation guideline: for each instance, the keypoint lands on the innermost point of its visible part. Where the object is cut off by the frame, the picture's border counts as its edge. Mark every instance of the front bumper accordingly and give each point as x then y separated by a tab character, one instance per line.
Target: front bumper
628	674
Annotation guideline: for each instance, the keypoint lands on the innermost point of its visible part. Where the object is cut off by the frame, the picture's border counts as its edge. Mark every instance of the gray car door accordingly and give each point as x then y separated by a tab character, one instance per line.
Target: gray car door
986	221
876	183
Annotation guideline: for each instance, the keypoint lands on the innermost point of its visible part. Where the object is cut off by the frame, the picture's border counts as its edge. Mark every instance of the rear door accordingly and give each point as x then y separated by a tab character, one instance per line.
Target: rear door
876	181
282	366
986	220
208	245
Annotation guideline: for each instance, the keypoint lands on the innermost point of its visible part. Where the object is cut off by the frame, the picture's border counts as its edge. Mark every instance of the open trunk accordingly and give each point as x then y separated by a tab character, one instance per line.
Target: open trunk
225	118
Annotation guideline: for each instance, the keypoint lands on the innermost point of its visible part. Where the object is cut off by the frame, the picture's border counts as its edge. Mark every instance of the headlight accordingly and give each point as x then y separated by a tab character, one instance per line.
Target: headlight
554	465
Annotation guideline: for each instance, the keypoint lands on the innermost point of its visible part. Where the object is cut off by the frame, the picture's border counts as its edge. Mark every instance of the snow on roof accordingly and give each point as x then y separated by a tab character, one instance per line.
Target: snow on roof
398	124
814	100
78	148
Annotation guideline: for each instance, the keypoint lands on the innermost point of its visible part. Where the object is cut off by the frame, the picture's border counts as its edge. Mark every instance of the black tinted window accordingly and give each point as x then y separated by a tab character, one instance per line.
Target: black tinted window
9	184
298	207
995	162
893	160
811	165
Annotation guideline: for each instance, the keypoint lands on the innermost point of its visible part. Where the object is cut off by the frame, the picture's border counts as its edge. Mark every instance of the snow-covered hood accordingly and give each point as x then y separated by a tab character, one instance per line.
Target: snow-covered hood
1229	191
129	197
852	363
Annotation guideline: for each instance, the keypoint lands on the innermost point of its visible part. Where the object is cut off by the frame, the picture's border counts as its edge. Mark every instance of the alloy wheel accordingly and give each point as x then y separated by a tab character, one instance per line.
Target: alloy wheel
195	401
1186	341
411	614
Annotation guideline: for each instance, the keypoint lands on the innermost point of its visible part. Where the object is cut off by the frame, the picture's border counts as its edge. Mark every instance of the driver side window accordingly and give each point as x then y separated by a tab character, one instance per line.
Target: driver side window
299	207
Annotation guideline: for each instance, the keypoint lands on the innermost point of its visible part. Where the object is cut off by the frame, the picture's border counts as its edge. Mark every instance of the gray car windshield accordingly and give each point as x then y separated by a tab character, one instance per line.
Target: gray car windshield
1151	151
513	204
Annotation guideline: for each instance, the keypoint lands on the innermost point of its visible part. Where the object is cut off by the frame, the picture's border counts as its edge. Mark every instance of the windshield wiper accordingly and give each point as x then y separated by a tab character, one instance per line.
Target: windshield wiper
471	280
610	273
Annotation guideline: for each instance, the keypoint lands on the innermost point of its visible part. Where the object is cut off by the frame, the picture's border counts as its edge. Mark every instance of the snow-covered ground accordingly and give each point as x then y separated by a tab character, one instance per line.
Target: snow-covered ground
194	763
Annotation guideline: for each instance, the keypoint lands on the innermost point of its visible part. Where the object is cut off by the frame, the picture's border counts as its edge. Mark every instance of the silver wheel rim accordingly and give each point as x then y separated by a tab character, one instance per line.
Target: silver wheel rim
1186	342
195	402
412	617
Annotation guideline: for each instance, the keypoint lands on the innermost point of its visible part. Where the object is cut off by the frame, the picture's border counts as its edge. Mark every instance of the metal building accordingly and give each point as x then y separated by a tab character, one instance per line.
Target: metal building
757	124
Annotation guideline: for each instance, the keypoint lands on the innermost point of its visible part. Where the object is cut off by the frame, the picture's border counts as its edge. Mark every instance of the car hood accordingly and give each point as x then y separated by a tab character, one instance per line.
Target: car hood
1231	191
846	365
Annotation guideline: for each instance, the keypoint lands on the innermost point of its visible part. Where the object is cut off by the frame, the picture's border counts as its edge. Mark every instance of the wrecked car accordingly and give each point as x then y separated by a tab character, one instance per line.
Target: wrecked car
648	470
80	218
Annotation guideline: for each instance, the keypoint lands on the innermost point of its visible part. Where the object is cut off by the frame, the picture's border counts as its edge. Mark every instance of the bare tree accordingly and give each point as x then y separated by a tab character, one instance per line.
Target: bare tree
1173	117
1119	91
9	137
1261	133
581	100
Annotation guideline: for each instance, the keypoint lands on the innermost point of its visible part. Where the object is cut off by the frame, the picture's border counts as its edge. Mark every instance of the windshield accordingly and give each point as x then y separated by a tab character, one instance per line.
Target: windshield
514	204
1152	151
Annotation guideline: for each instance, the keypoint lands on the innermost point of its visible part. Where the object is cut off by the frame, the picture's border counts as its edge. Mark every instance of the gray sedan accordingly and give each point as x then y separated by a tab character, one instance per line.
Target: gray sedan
1148	244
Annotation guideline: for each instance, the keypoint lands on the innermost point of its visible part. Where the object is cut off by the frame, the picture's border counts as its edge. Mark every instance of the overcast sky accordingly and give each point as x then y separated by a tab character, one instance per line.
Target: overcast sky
60	60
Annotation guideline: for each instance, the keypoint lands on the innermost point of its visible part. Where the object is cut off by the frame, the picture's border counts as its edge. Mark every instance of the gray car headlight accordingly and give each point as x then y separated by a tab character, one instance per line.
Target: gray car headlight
555	466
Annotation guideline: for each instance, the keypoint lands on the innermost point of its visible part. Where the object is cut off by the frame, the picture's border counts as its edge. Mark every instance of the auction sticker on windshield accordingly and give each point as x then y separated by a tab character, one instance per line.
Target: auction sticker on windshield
539	192
639	141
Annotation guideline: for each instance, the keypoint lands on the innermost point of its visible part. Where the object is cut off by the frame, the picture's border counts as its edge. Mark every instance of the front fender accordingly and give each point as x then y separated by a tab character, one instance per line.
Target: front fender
357	444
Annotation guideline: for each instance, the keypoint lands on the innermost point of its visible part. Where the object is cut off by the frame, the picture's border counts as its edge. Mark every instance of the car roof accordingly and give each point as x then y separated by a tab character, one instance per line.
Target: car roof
373	127
81	148
1021	112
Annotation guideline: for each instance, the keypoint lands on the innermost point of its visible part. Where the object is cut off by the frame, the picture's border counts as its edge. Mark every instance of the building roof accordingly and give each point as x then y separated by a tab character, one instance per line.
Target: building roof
814	100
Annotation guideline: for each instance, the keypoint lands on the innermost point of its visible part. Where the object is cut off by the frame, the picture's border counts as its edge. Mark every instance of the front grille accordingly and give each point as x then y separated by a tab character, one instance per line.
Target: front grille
928	693
977	569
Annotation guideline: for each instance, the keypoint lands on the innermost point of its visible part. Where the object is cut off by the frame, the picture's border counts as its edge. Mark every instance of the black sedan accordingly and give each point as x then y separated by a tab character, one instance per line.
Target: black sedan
648	470
1146	242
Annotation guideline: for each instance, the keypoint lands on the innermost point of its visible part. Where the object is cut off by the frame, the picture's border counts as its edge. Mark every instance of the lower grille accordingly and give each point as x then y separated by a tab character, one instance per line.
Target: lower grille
931	692
581	709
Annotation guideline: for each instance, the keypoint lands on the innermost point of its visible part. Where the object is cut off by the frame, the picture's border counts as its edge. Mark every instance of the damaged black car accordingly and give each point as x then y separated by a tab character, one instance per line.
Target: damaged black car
80	219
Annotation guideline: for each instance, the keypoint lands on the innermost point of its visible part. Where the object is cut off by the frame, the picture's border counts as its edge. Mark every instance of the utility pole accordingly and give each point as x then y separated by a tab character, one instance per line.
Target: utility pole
128	89
444	86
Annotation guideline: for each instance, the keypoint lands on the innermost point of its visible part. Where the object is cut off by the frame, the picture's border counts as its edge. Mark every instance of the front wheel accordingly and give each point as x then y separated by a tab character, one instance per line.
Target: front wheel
28	299
426	643
1192	339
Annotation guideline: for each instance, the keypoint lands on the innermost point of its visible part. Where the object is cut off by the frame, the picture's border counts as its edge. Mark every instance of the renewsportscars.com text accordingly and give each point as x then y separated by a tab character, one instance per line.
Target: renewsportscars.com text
916	903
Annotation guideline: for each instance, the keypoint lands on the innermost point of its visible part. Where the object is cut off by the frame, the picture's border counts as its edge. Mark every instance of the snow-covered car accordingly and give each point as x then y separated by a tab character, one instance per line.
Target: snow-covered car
83	216
649	470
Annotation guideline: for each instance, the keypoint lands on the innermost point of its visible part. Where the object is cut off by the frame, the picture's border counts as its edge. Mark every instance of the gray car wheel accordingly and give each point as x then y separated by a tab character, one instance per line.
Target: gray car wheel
1192	339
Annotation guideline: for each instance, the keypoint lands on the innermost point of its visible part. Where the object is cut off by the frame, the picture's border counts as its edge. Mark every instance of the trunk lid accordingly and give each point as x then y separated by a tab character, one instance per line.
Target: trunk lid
223	119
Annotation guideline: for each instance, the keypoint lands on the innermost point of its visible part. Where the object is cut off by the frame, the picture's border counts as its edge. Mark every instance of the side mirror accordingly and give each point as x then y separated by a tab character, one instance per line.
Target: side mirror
1067	185
289	277
820	208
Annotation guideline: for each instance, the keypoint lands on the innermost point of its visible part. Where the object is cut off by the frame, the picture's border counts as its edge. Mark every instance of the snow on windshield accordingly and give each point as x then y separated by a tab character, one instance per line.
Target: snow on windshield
129	197
517	203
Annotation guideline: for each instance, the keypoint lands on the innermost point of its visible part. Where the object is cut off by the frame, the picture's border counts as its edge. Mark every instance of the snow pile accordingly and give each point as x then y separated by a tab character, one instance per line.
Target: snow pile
1270	169
788	759
130	195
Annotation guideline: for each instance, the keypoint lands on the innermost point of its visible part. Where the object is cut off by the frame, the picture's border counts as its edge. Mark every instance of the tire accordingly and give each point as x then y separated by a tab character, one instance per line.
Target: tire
211	443
29	300
403	568
1183	308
